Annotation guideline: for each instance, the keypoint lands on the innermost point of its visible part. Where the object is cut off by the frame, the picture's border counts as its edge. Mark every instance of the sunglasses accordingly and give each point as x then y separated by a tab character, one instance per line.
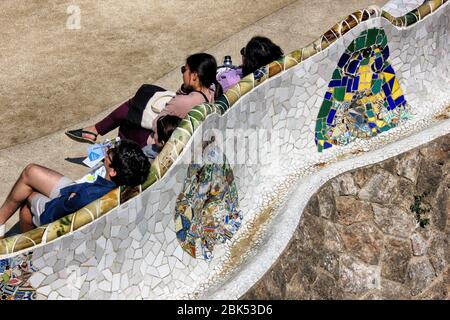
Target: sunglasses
183	69
111	149
243	51
110	152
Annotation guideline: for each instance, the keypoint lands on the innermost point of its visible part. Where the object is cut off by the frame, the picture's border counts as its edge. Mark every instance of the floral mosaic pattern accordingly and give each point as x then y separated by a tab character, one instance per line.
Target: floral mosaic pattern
364	96
207	210
14	275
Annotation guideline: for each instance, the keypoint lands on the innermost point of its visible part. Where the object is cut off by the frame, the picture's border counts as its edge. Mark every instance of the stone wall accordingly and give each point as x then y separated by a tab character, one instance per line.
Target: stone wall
359	239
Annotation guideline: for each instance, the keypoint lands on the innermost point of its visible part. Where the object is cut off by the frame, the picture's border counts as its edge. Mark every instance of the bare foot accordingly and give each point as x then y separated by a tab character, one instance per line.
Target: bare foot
90	136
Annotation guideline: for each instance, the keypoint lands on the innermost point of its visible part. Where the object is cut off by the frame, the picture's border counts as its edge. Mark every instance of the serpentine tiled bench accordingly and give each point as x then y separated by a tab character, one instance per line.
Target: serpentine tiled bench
369	81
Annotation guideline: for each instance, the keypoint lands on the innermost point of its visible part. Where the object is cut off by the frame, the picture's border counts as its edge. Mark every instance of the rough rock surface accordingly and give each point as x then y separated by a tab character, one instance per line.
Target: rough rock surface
359	239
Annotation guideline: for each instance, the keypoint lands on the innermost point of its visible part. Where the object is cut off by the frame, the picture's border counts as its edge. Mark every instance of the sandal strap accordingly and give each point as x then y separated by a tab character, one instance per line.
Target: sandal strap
89	132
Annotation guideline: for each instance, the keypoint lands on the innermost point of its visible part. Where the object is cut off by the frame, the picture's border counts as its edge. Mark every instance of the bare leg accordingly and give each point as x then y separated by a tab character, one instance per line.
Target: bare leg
34	178
26	219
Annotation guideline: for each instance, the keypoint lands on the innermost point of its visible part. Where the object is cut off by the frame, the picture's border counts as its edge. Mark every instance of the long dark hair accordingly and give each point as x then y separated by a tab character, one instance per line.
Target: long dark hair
165	126
206	67
258	52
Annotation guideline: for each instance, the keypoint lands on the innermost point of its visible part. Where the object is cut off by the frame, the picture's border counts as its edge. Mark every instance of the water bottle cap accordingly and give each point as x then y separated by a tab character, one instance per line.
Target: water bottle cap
227	61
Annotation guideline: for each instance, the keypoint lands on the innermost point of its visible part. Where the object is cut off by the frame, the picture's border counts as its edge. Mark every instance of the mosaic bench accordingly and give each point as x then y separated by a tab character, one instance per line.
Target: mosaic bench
170	238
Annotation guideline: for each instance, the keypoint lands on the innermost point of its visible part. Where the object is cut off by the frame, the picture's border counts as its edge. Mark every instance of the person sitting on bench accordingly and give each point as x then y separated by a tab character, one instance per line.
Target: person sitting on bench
44	195
258	52
199	86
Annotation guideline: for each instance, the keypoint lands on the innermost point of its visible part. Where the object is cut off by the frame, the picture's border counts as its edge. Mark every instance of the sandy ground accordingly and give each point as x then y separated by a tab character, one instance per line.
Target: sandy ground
54	78
53	73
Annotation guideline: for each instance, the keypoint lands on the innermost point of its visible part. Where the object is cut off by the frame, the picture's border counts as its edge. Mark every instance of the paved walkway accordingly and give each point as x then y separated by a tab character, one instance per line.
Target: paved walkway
73	74
292	26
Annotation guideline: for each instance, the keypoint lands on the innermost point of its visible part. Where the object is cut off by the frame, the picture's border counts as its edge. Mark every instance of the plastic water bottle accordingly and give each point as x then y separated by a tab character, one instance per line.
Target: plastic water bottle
227	61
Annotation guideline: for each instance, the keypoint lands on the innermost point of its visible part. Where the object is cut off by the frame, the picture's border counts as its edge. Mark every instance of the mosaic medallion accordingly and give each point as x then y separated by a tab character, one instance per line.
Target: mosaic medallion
14	275
207	211
364	97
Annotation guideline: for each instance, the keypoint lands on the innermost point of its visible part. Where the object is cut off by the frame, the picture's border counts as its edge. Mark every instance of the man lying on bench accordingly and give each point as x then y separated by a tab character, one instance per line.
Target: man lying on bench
44	195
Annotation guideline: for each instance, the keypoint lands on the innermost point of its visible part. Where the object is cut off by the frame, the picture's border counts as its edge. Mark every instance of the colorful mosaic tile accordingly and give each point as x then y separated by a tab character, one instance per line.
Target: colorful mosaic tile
364	97
14	275
182	134
207	210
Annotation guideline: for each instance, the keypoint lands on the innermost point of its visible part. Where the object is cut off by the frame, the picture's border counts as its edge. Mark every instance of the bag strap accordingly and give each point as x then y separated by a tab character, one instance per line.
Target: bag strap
204	95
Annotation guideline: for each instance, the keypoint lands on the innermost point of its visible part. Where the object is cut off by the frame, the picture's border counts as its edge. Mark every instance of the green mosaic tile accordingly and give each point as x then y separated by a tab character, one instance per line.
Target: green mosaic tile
337	75
384	42
410	18
391	125
339	93
379	40
320	136
376	86
360	42
325	109
223	103
196	115
319	126
371	37
351	47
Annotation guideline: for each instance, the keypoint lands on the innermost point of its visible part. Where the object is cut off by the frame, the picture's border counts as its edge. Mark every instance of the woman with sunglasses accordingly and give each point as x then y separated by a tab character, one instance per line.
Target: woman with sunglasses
44	195
258	52
199	86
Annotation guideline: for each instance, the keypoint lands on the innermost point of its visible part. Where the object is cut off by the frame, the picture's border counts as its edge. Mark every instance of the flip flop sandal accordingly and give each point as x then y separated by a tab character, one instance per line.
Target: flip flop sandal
77	135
